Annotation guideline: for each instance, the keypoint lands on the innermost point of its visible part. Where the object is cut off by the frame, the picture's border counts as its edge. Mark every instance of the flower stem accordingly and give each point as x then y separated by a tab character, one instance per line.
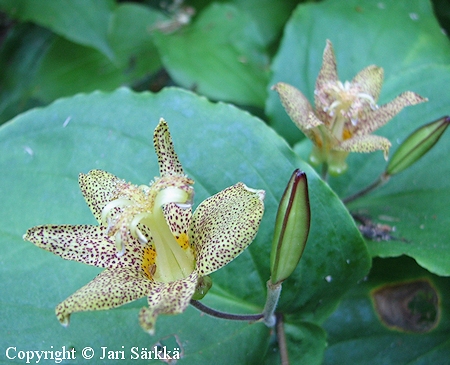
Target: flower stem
281	337
273	294
215	313
380	181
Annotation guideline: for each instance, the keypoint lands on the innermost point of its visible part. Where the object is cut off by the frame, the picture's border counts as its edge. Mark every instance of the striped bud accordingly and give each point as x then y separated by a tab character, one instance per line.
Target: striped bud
416	145
291	228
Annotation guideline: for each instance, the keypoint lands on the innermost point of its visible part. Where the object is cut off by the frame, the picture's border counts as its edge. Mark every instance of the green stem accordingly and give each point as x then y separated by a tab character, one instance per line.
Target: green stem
273	294
215	313
380	181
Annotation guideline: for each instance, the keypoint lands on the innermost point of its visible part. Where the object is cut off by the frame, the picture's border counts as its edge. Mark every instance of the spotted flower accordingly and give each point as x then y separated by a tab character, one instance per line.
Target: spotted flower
148	240
345	114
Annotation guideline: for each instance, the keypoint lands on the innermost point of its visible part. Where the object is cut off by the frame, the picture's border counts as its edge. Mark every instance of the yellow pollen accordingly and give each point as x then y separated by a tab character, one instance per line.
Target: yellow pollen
346	134
148	261
183	241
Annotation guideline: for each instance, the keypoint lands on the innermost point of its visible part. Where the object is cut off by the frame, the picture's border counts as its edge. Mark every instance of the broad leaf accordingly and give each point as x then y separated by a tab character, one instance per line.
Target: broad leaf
270	15
79	21
221	55
68	68
44	150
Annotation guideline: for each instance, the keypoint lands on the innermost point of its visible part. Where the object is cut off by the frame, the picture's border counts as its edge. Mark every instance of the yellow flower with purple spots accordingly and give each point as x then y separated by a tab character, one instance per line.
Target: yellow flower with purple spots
148	240
345	114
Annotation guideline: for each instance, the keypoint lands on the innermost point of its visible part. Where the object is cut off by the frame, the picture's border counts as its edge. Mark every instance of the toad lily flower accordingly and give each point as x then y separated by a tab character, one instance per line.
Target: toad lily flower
148	240
345	115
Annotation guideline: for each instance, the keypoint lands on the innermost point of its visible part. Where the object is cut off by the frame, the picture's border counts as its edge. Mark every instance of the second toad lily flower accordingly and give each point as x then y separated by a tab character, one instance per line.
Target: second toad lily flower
345	114
149	241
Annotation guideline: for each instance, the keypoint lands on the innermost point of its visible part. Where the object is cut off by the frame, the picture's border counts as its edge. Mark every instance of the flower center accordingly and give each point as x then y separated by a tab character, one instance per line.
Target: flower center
173	260
348	103
167	258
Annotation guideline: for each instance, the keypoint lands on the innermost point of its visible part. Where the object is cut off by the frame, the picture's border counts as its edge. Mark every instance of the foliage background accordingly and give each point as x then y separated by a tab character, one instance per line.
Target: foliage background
227	126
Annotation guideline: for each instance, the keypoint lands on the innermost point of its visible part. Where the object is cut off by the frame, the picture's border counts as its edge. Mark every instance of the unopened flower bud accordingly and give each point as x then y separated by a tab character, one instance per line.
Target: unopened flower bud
416	145
291	228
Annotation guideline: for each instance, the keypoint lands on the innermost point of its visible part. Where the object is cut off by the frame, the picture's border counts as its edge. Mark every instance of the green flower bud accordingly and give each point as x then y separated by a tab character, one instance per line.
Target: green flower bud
291	228
416	145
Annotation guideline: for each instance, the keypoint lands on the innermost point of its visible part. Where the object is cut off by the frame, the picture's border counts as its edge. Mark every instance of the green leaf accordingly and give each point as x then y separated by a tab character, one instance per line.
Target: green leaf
84	22
417	201
20	58
44	150
357	336
270	15
68	68
221	55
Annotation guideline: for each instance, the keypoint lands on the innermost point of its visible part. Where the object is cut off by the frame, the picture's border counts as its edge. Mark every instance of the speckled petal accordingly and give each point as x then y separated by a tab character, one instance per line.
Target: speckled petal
366	144
87	244
171	298
178	218
379	117
98	188
169	165
224	225
327	74
295	104
370	81
111	288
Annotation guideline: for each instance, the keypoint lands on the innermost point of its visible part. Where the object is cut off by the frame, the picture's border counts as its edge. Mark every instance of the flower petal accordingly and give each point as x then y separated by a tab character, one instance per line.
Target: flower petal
296	104
170	298
111	288
327	77
365	144
224	225
328	72
370	81
169	165
98	188
178	218
298	108
379	117
87	244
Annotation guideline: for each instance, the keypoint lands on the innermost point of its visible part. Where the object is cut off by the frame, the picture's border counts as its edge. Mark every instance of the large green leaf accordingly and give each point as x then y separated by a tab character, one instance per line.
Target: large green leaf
221	54
42	152
68	68
38	67
84	22
417	201
356	335
270	15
